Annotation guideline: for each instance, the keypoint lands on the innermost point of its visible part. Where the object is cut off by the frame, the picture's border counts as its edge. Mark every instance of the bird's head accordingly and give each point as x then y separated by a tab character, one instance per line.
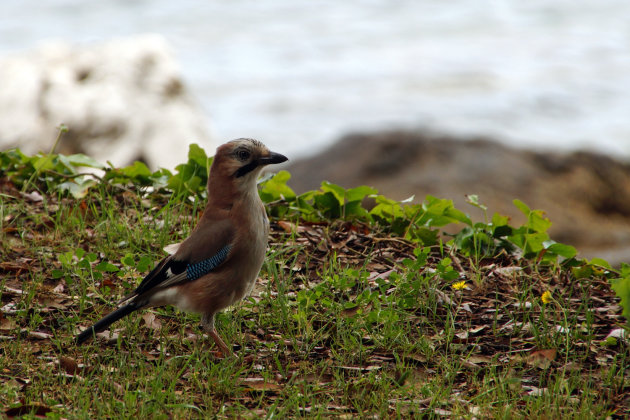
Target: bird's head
238	163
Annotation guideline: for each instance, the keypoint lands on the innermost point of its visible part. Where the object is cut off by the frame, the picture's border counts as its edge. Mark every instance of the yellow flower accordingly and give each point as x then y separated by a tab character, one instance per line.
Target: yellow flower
459	285
546	297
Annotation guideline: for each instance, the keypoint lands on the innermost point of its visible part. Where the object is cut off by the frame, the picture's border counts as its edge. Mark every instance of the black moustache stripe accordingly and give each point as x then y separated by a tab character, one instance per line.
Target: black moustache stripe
245	169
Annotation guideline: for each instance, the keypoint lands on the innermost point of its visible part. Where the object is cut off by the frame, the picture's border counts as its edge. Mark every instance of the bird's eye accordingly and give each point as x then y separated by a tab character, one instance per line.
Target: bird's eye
243	154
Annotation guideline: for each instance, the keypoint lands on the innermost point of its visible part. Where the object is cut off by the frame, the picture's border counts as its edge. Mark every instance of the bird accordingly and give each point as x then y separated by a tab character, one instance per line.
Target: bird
217	265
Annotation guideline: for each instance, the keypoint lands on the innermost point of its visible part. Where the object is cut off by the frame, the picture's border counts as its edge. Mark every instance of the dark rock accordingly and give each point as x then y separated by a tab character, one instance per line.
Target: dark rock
586	195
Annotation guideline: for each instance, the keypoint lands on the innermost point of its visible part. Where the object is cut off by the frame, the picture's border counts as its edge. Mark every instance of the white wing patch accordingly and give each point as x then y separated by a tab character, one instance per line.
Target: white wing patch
172	297
173	278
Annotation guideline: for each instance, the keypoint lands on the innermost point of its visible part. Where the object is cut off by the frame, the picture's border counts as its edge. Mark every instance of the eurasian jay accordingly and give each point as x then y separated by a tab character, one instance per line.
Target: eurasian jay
217	265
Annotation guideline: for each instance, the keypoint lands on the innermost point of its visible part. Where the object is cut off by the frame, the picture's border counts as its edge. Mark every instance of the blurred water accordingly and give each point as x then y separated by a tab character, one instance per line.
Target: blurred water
298	74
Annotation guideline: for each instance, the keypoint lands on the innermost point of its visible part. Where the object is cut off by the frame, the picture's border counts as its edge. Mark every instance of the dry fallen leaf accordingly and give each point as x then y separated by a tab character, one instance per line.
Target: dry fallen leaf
13	266
69	365
39	335
11	290
118	388
535	391
378	275
259	385
107	283
442	412
617	333
6	324
508	271
362	369
34	196
288	227
478	358
443	297
108	336
32	409
350	312
151	321
542	358
477	329
462	335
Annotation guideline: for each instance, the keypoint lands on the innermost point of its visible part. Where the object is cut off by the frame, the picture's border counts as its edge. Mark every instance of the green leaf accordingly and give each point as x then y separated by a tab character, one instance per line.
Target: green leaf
84	263
500	227
610	341
522	206
473	199
528	242
65	258
388	209
42	163
601	263
426	236
436	205
458	216
137	170
499	220
440	212
303	203
191	176
106	267
78	188
144	264
276	188
354	209
621	286
359	193
338	192
128	260
566	251
198	155
536	220
582	272
328	203
80	160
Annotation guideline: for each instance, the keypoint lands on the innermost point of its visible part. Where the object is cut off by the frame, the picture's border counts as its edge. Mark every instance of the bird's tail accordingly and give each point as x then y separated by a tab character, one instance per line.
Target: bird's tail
107	321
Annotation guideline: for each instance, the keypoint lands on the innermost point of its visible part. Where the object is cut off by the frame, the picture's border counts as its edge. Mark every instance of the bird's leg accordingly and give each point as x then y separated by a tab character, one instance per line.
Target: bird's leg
207	321
224	348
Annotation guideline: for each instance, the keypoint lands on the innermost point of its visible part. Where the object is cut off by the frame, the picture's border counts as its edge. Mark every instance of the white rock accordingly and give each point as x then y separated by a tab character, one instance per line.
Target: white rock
122	100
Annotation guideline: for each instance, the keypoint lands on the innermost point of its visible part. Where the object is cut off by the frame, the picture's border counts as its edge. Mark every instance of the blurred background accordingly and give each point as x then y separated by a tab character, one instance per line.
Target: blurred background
493	97
298	74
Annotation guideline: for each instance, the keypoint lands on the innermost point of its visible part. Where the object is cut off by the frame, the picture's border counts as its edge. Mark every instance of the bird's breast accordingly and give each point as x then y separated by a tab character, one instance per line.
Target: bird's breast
249	251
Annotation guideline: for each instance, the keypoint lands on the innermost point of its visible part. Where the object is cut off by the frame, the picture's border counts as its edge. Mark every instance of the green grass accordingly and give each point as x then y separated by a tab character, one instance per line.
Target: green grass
347	320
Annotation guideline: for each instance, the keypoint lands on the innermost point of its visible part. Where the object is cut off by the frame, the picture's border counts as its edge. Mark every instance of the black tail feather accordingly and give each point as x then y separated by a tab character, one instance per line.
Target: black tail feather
107	321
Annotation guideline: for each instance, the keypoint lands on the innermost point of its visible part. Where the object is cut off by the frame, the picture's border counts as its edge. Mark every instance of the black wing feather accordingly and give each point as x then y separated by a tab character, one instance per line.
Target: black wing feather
107	321
161	273
171	271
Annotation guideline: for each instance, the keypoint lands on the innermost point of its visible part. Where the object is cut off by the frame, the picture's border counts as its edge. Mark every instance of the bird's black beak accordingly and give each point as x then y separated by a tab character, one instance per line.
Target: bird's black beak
262	161
272	158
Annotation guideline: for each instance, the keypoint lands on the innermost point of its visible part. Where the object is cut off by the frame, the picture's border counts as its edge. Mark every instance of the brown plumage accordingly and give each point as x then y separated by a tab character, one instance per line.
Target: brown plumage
217	265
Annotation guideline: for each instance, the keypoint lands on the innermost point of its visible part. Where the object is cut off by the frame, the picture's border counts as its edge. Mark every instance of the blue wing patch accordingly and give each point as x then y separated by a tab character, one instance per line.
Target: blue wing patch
201	268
